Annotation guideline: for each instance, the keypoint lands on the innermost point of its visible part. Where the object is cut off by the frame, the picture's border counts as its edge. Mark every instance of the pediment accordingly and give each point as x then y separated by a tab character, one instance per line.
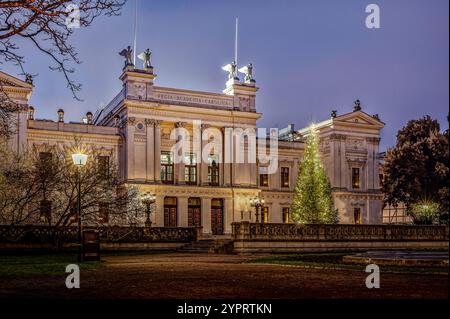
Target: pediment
358	117
7	80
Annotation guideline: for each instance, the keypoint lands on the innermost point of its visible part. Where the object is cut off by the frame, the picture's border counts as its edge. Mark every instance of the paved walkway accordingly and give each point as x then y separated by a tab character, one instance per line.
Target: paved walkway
221	276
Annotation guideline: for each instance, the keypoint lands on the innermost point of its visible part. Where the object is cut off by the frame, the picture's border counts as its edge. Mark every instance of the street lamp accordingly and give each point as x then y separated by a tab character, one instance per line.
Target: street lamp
257	202
79	160
148	199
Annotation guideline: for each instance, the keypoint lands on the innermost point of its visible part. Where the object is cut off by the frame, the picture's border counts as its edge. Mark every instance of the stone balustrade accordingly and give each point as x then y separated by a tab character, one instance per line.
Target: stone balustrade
113	234
252	237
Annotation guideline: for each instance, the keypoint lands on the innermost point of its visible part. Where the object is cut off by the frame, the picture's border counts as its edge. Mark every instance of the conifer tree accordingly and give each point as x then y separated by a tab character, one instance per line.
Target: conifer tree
313	203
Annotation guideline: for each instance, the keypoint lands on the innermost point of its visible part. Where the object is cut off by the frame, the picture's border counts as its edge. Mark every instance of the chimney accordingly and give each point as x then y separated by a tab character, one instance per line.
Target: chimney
89	118
61	115
31	113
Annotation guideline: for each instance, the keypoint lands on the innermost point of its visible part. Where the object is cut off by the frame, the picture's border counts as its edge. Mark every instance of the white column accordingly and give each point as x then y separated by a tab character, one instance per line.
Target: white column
206	215
204	165
182	211
159	211
150	149
179	167
227	156
345	173
293	174
130	147
157	155
228	215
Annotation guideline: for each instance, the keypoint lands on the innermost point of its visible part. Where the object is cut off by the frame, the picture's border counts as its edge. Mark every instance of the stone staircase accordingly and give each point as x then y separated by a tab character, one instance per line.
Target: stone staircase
210	245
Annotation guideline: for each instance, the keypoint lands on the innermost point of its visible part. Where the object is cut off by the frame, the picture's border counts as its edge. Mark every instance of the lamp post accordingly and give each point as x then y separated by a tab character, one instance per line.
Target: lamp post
257	202
79	160
148	199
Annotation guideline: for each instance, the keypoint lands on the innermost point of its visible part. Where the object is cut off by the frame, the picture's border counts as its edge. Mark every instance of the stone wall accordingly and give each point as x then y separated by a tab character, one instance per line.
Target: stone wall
279	238
115	237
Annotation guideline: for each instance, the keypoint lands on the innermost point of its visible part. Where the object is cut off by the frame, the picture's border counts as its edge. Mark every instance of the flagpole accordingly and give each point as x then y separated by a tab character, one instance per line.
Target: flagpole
236	41
135	31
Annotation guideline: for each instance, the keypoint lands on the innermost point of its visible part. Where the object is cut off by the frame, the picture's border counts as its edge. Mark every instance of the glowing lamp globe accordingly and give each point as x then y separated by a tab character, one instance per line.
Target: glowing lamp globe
79	159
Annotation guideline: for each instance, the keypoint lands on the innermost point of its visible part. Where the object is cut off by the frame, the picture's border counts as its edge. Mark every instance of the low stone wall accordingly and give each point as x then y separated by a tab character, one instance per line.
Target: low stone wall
111	238
284	238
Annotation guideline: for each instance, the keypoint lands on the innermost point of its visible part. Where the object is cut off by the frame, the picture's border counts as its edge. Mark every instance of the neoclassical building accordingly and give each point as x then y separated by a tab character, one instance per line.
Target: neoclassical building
141	125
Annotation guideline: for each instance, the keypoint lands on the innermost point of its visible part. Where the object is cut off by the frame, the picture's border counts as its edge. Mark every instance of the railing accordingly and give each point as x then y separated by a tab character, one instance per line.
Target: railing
295	232
113	234
110	107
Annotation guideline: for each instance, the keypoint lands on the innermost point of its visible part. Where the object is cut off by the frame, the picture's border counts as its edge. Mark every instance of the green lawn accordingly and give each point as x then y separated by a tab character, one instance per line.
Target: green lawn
41	264
334	261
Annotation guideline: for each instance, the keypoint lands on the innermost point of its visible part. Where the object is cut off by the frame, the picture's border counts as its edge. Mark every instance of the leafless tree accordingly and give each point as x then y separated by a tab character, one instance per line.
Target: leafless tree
48	26
40	187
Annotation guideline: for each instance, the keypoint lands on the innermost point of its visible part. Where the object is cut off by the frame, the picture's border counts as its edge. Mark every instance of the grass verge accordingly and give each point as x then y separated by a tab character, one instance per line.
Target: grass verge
32	265
334	261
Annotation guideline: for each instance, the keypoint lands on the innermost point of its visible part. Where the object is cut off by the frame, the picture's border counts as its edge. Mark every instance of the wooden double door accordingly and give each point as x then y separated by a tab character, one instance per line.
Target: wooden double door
217	216
170	212
194	212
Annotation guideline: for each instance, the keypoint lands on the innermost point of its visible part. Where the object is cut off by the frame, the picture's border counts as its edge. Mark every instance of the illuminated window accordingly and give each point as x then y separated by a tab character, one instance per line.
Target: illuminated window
46	211
357	215
166	168
263	180
285	215
190	169
265	214
213	170
285	177
103	212
355	178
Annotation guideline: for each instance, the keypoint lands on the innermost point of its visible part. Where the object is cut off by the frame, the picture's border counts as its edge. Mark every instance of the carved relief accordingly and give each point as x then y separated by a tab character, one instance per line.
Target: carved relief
244	103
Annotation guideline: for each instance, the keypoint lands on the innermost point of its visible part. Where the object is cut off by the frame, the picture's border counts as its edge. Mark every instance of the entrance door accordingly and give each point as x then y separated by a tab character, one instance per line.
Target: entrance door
194	212
217	216
170	212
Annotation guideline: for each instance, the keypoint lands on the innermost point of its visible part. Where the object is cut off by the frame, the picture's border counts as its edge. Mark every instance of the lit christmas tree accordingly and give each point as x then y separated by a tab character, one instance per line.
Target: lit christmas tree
313	203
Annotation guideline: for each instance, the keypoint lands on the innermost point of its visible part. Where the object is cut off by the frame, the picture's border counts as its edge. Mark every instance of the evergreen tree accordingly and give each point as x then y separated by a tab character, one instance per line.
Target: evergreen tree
313	203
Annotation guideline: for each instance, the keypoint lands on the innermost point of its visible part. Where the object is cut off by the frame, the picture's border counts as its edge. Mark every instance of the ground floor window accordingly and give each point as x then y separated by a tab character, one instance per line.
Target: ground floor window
265	214
103	212
170	212
46	211
217	216
285	215
357	215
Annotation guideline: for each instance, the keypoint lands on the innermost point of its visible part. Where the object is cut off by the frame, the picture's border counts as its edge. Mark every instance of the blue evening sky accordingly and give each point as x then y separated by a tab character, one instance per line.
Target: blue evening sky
309	57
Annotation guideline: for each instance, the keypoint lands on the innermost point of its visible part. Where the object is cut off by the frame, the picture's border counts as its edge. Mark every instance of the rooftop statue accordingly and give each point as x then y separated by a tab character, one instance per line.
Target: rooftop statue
127	54
232	70
248	72
145	57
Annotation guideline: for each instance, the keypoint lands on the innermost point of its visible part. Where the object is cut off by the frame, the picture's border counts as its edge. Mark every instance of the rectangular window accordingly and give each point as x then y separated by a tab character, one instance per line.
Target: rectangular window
381	180
357	215
45	162
103	213
213	171
190	169
103	166
285	215
46	211
355	178
263	180
265	214
166	168
285	177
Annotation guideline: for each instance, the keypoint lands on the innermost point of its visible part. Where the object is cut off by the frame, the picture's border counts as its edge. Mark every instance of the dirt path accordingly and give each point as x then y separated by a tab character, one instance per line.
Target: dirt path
220	276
